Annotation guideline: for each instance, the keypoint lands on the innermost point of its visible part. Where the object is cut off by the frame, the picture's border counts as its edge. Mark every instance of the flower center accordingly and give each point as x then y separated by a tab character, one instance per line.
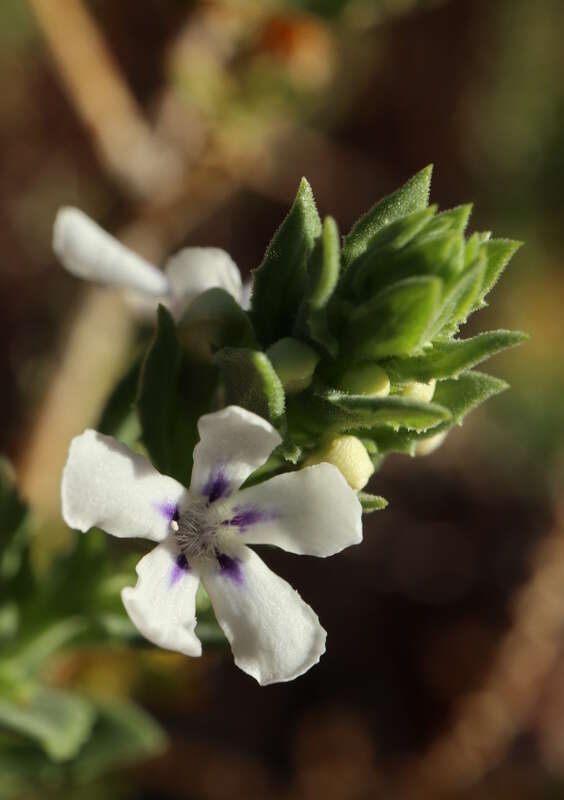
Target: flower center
194	530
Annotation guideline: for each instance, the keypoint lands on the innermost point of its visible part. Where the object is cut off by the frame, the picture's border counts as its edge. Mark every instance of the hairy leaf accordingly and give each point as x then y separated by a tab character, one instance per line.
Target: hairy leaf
412	196
280	281
449	359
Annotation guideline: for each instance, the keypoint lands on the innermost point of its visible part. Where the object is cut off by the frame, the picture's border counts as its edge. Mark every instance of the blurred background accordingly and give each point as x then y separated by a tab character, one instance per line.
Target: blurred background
174	122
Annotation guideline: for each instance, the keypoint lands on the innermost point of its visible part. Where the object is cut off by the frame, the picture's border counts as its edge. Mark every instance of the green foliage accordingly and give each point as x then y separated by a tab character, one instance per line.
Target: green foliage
393	323
59	721
171	400
251	382
412	196
323	275
448	359
280	282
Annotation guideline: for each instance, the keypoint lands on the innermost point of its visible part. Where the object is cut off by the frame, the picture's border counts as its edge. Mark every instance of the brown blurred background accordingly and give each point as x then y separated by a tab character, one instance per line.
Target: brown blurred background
173	123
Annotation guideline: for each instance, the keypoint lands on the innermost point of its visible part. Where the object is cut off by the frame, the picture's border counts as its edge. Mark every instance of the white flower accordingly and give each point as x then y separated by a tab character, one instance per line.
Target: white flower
204	533
87	251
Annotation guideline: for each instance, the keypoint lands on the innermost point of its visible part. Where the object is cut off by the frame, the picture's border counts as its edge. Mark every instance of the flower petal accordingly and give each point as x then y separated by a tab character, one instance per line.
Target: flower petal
274	635
162	604
107	485
87	251
233	443
311	512
193	270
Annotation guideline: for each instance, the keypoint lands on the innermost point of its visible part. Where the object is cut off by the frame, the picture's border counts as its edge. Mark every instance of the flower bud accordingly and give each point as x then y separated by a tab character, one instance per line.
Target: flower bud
419	392
294	362
366	379
427	446
349	455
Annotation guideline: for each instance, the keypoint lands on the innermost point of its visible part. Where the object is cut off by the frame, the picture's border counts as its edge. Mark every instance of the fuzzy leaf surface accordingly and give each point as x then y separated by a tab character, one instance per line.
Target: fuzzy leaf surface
412	196
280	281
449	359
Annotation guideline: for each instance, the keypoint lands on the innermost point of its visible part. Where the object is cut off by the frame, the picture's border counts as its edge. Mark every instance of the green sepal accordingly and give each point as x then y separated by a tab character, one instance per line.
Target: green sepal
449	359
412	196
371	502
280	281
323	275
395	322
59	721
251	382
212	321
461	395
170	401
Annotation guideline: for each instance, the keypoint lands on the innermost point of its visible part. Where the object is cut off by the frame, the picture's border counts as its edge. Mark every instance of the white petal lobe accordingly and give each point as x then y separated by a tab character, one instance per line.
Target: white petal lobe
233	443
193	270
87	251
107	485
274	635
310	512
162	605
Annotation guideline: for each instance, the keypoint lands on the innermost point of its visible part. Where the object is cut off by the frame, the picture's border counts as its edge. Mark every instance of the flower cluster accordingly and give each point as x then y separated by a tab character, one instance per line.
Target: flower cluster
349	351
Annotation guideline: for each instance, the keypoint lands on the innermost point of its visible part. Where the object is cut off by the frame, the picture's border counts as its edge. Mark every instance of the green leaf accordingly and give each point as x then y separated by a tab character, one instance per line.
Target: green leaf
449	359
251	382
123	734
454	219
170	401
119	417
323	273
280	281
459	299
391	410
58	720
461	395
318	415
157	392
438	255
412	196
498	253
371	502
395	322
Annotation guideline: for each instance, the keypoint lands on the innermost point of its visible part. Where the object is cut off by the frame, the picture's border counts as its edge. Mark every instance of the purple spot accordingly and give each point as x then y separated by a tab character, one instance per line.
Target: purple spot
168	510
230	567
246	516
217	485
180	567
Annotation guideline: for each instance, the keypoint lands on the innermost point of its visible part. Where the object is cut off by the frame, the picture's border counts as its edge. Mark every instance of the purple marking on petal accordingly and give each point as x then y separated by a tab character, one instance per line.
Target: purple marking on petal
246	516
230	567
168	509
181	566
217	485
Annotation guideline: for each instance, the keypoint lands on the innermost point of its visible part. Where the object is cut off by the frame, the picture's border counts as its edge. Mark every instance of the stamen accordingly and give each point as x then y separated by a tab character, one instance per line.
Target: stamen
194	530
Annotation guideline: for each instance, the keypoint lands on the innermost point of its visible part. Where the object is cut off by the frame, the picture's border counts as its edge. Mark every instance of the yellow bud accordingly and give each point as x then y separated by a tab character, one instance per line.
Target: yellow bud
294	362
427	446
420	392
366	379
349	455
